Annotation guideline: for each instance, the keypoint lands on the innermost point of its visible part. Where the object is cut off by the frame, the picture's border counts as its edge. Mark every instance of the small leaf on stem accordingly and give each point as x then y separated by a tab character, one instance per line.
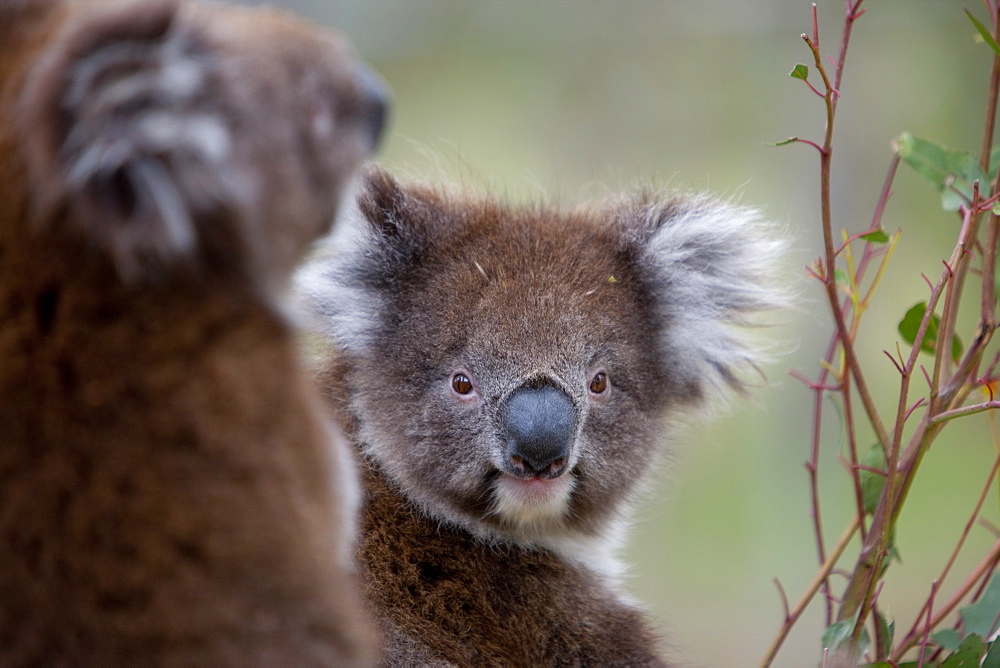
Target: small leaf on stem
983	32
910	324
872	482
949	639
838	636
800	71
992	659
876	236
982	616
886	629
968	654
790	140
951	172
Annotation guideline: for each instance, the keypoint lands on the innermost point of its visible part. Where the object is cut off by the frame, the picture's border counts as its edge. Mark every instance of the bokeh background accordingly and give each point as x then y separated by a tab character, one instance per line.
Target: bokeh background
571	98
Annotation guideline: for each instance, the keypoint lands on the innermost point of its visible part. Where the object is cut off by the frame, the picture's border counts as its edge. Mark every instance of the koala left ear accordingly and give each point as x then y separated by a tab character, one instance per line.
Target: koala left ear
709	267
379	236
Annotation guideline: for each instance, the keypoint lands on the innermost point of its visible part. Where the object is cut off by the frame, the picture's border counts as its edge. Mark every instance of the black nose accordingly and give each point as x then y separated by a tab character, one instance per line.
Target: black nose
539	425
375	94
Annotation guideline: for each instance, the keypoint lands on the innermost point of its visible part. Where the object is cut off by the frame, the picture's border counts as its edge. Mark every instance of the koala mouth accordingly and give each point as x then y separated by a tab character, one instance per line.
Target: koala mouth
532	500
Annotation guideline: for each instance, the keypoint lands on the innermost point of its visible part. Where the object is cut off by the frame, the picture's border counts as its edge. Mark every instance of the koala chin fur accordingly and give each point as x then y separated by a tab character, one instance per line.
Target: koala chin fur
508	374
172	491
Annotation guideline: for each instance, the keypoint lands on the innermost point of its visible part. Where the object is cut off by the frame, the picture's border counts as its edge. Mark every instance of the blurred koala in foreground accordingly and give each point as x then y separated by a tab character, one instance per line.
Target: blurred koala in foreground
508	374
171	491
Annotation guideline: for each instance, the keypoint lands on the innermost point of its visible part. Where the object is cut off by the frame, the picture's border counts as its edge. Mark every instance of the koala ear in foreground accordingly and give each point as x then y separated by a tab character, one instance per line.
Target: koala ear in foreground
117	143
709	267
377	236
400	224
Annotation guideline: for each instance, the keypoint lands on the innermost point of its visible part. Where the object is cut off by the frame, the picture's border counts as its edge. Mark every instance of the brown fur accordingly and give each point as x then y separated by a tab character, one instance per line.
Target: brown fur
471	604
171	492
472	556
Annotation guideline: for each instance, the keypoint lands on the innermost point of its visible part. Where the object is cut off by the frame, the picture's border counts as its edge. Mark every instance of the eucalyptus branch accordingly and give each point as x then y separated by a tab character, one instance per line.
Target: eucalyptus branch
792	616
988	314
831	98
911	637
950	379
984	568
900	470
821	386
964	411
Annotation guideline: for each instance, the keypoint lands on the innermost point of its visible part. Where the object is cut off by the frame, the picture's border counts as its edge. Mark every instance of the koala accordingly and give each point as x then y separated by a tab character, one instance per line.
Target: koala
509	375
172	490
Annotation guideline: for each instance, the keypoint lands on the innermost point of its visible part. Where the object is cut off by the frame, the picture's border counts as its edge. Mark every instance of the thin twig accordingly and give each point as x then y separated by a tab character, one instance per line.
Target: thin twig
814	586
908	638
965	410
985	567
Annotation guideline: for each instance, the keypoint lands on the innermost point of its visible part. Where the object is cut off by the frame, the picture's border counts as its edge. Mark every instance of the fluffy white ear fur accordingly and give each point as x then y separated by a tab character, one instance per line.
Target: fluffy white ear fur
711	268
329	291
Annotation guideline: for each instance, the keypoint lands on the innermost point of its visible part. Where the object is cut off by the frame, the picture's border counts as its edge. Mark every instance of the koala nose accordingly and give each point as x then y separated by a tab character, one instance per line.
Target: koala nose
539	425
375	94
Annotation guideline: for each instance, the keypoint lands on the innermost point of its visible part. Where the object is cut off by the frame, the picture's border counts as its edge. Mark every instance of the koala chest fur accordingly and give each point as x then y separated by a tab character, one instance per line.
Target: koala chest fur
507	374
446	597
171	489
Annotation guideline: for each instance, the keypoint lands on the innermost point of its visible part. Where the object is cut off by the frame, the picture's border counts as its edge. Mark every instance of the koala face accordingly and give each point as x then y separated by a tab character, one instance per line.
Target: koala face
512	369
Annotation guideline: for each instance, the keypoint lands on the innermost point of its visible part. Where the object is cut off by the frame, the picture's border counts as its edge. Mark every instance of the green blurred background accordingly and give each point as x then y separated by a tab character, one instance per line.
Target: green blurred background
568	98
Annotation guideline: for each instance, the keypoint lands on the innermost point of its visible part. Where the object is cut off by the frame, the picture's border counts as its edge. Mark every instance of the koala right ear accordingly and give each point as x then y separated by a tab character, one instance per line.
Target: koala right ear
117	148
710	268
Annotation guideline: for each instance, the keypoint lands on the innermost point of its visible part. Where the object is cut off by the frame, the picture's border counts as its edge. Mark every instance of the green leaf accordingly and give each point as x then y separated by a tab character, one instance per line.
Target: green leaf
876	237
983	32
949	639
840	276
885	631
871	482
953	201
983	616
839	635
945	169
910	324
800	71
785	142
992	659
968	654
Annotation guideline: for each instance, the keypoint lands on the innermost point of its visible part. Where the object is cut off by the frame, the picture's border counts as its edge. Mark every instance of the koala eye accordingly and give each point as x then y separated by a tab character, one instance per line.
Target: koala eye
461	383
599	383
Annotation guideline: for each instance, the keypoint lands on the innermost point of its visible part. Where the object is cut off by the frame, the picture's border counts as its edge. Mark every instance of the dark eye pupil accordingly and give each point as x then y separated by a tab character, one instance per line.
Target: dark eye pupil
461	383
599	383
